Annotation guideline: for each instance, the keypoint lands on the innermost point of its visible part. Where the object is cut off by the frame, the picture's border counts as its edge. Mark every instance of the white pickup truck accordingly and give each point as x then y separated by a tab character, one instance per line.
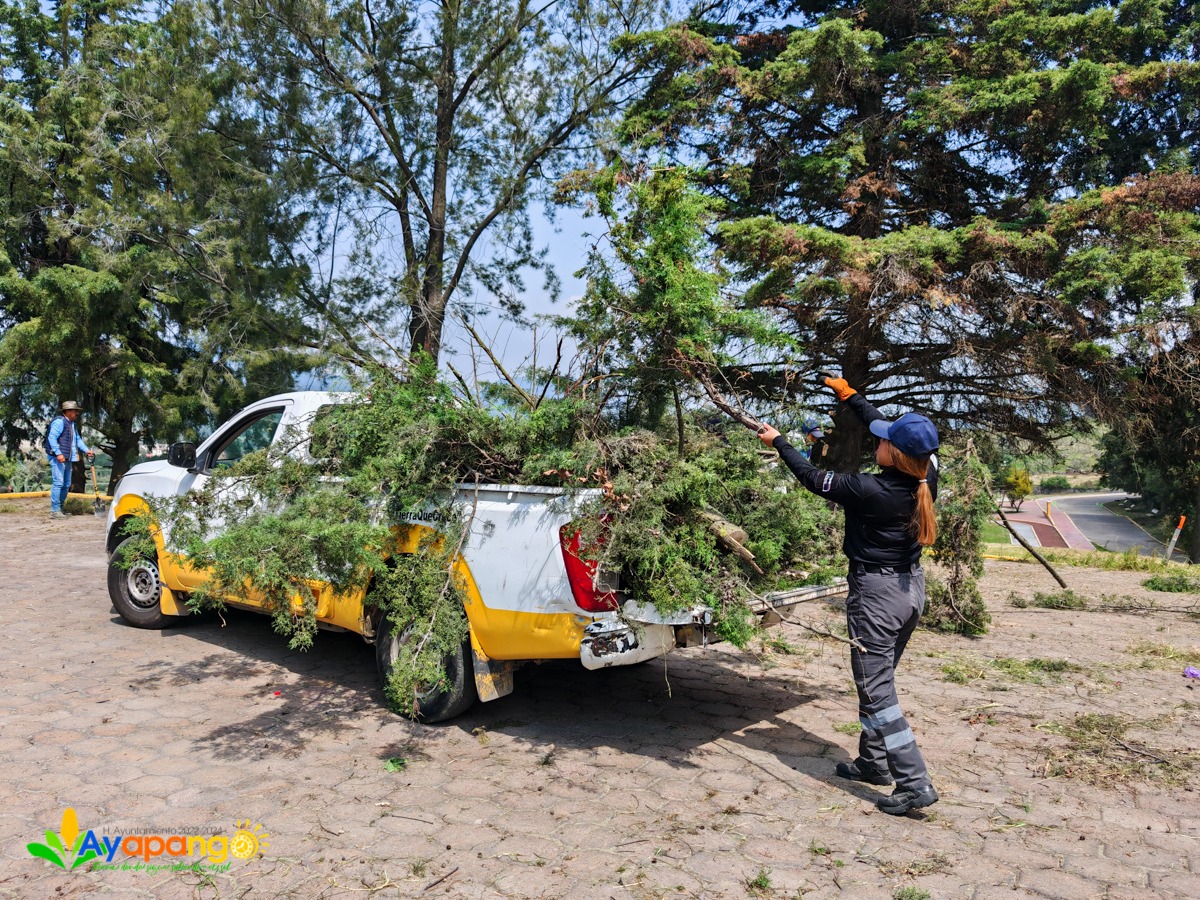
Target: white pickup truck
530	597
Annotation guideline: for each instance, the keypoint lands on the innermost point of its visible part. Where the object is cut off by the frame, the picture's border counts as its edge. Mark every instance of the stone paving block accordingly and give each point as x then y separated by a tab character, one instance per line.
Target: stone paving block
485	839
1128	817
1186	884
999	892
1015	854
1149	858
1172	842
1061	885
403	824
530	881
1106	870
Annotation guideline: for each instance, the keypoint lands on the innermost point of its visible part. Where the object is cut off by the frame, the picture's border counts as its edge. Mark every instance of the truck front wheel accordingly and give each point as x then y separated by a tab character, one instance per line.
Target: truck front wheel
435	702
135	588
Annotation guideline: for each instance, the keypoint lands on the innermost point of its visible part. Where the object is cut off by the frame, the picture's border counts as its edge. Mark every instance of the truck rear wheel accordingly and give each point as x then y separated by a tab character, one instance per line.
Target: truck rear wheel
136	588
436	702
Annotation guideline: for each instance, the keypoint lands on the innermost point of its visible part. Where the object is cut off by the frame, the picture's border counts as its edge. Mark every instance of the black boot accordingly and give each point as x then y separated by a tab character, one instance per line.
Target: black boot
903	800
855	771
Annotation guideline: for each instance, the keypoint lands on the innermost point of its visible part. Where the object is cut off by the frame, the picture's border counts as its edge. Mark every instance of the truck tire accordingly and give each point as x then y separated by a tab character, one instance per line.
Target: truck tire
438	703
136	591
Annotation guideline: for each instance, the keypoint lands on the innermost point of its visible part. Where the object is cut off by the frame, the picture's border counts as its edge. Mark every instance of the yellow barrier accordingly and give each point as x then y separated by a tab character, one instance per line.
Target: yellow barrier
29	495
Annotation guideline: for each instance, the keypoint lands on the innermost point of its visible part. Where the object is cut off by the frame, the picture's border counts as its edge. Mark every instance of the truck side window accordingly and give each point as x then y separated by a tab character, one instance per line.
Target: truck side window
247	437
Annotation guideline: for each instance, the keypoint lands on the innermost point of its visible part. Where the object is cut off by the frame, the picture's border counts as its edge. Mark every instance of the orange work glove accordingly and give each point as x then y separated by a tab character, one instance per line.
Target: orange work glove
841	387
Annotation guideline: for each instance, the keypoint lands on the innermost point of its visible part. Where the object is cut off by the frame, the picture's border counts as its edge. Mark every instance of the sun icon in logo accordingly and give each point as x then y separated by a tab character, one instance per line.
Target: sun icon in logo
247	840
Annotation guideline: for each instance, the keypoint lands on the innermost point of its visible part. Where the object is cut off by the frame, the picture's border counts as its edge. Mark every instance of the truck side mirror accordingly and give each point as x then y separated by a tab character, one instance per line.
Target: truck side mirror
182	454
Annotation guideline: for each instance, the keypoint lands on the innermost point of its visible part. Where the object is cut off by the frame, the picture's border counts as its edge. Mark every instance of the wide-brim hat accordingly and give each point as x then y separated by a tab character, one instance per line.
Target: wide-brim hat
912	434
71	404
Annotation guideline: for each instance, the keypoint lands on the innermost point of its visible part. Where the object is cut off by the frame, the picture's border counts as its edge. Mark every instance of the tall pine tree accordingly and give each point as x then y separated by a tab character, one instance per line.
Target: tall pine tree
144	265
960	205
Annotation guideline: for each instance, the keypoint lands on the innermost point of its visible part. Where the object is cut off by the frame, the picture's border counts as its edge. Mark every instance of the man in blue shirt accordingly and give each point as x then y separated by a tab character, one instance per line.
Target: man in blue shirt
63	444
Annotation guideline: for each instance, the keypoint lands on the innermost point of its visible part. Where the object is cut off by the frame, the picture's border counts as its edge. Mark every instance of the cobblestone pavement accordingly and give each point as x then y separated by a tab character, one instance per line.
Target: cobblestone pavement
711	778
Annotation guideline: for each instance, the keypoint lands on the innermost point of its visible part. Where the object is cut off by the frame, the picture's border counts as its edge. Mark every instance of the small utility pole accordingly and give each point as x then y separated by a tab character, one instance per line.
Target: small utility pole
1175	537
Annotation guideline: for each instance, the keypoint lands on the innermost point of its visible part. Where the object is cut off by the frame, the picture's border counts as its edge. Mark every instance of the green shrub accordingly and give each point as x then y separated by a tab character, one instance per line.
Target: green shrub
1067	599
1017	486
964	509
77	506
966	614
1055	484
8	468
1173	582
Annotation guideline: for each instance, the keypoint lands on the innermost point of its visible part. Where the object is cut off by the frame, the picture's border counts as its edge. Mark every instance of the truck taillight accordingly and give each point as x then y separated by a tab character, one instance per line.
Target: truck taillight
590	590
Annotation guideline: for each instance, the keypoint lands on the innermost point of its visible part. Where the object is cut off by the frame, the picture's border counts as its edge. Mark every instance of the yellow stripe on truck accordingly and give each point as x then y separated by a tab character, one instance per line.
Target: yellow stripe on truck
506	633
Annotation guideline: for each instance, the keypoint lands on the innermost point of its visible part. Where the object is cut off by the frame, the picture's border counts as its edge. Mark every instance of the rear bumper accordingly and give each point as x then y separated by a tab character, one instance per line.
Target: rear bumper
639	632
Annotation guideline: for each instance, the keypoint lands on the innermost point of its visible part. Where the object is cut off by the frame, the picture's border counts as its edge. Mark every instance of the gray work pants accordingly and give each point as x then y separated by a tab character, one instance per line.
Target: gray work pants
882	610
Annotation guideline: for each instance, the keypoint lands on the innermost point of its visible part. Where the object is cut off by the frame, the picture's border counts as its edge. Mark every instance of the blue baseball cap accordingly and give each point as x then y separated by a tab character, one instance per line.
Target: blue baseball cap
912	434
811	427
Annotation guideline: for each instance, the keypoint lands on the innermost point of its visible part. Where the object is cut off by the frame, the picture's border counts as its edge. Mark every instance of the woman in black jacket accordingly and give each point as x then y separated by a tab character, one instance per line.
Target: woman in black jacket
889	518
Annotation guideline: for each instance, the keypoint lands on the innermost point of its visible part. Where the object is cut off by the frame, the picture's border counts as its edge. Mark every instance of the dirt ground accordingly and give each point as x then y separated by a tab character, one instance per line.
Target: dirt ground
1070	776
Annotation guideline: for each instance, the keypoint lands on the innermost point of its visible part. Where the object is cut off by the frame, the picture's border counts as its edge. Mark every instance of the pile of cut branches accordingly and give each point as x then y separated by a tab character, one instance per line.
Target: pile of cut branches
292	519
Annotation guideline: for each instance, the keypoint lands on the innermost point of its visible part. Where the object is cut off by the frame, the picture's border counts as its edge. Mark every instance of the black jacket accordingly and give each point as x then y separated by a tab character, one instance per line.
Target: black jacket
879	508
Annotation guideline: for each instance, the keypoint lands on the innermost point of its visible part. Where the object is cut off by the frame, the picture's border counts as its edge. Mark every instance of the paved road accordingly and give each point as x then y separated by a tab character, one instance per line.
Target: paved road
1103	528
702	779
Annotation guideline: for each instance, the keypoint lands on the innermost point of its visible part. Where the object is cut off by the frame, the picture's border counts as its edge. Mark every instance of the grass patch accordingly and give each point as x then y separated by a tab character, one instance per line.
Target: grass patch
991	533
9	508
1173	583
963	671
760	884
849	727
1099	751
779	645
817	849
1131	560
1067	599
908	892
1163	656
1033	671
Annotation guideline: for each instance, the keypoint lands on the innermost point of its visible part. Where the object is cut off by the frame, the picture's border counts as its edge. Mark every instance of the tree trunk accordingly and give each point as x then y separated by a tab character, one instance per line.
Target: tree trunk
124	446
1195	525
429	316
124	454
79	476
848	449
849	441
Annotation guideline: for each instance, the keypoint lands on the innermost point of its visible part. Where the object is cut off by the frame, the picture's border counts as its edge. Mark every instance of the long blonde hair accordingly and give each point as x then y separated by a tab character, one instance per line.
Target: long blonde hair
924	520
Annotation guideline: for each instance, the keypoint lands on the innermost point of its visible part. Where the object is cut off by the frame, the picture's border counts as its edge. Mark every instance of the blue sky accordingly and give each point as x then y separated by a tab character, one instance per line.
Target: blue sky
568	241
